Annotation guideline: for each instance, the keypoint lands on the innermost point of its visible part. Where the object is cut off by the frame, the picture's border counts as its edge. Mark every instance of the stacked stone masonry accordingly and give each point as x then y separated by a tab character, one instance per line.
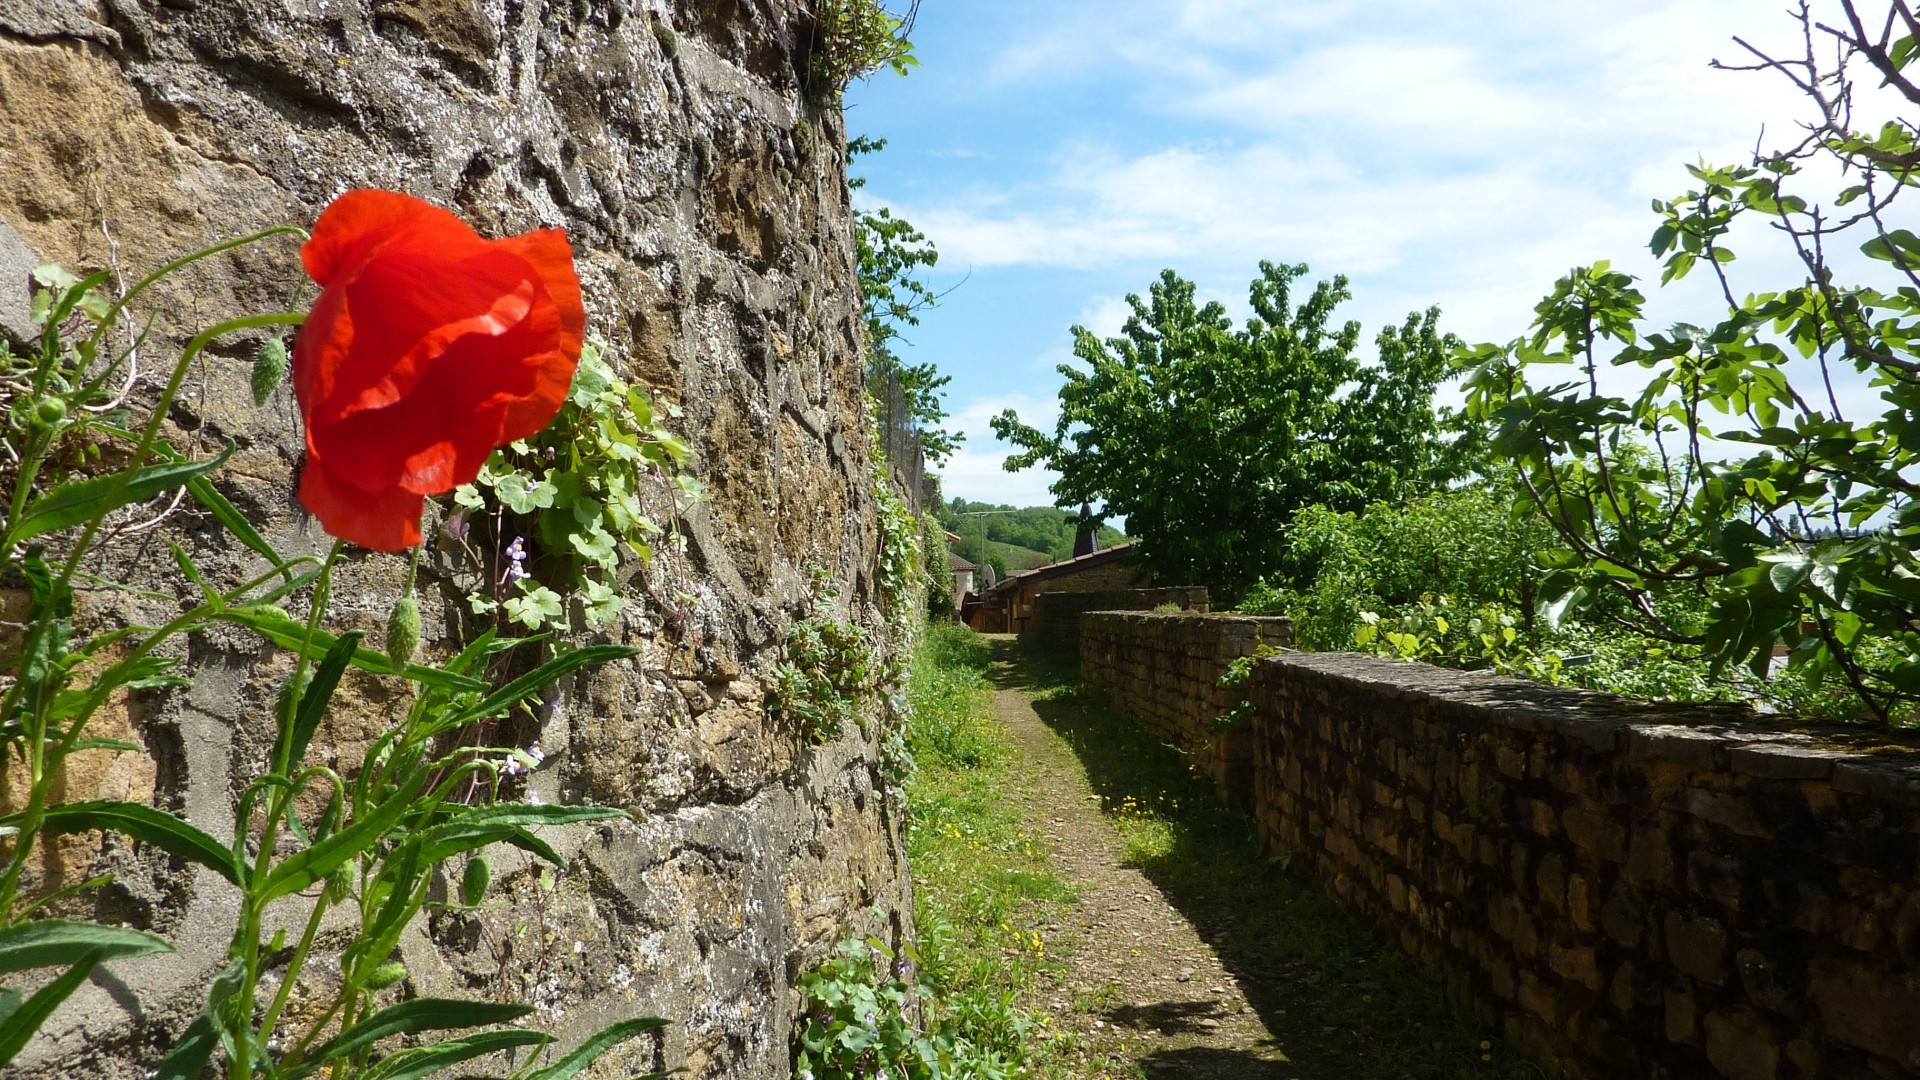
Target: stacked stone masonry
702	184
1164	669
1056	615
1624	889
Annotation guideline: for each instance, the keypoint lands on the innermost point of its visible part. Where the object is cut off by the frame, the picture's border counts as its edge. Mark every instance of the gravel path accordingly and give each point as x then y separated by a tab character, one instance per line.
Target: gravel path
1140	988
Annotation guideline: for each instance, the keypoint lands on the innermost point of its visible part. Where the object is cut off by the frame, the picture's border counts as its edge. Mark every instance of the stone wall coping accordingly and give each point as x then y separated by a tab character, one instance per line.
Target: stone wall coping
1709	737
1209	617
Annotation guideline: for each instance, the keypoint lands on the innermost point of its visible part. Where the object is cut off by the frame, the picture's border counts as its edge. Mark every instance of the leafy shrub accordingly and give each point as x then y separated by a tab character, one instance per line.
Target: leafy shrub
866	1015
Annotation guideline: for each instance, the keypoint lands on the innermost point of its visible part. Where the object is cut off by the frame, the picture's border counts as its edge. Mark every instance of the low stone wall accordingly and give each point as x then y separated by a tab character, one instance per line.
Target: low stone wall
1164	669
1624	889
1056	615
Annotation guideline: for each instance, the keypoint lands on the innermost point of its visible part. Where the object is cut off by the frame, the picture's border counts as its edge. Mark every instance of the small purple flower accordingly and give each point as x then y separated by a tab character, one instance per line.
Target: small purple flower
516	556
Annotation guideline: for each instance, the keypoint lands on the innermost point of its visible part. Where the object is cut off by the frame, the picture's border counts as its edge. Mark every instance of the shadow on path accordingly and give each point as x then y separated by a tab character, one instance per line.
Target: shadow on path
1340	1002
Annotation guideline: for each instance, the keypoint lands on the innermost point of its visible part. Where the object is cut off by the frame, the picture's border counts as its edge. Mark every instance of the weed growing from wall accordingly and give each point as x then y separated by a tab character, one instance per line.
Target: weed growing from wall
853	39
866	1015
903	575
1238	673
828	672
576	491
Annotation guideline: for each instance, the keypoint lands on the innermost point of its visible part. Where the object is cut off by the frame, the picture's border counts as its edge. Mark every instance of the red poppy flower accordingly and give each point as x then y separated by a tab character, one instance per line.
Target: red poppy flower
429	346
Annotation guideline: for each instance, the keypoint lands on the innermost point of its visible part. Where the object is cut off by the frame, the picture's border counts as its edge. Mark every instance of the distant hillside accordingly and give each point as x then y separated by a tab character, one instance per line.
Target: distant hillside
1017	538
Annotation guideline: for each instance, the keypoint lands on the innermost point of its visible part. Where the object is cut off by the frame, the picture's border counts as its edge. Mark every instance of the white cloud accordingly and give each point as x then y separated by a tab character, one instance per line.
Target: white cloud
1104	316
976	471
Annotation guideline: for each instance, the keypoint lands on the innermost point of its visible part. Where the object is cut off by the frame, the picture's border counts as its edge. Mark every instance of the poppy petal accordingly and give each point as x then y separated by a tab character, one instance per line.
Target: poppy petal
427	348
357	222
383	520
550	256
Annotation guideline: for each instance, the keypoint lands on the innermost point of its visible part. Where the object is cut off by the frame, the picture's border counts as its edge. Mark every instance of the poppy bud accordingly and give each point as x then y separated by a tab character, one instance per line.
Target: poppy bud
338	885
49	411
290	692
473	884
403	631
269	367
386	975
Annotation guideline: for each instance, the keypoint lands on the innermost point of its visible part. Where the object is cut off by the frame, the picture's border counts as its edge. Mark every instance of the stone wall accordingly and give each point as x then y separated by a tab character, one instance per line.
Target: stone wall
1164	669
1056	615
705	195
1624	889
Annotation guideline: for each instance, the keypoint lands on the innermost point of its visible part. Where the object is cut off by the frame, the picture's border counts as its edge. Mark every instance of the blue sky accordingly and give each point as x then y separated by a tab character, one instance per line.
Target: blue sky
1443	152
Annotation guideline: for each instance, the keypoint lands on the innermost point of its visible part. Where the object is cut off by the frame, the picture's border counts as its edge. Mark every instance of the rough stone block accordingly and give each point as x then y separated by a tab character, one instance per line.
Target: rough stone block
1697	946
1784	761
1741	1046
1878	1012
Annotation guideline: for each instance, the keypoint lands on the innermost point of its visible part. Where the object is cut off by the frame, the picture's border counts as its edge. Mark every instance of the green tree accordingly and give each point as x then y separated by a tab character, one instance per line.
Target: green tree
892	253
1808	538
1208	437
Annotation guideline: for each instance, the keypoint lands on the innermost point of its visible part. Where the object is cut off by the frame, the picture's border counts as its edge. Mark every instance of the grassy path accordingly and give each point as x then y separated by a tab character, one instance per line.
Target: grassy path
1138	924
1138	984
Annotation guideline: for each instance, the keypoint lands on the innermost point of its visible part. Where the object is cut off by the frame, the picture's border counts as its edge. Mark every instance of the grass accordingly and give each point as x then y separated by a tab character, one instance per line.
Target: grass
982	881
1342	1002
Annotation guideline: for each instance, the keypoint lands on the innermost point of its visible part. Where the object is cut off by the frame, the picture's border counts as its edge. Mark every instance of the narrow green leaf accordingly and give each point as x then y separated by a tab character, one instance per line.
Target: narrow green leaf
420	1014
196	1044
285	631
21	1023
304	868
58	943
533	682
143	823
235	522
315	698
596	1044
427	1060
481	825
190	1055
73	503
91	743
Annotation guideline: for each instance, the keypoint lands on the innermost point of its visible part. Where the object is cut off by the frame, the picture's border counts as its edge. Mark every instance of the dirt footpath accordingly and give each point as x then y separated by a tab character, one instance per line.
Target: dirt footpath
1140	988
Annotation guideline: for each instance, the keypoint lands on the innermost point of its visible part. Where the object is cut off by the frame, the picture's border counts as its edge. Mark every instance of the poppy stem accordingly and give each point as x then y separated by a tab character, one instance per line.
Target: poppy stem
151	432
191	257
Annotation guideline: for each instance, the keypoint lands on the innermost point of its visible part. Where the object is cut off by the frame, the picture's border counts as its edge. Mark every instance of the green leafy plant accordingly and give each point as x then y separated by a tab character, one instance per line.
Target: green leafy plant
1238	672
866	1015
578	491
310	846
852	39
903	570
827	675
1805	539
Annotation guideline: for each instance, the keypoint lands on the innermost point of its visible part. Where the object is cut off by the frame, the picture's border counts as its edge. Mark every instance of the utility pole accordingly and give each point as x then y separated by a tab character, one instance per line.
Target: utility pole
983	515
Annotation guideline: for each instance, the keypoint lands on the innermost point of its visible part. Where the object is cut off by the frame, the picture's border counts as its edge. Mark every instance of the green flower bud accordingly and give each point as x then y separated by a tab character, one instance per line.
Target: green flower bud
49	411
339	885
403	631
290	692
269	367
473	884
386	975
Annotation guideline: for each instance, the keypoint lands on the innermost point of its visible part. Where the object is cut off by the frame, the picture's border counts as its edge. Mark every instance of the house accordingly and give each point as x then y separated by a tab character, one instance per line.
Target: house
963	571
1008	605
